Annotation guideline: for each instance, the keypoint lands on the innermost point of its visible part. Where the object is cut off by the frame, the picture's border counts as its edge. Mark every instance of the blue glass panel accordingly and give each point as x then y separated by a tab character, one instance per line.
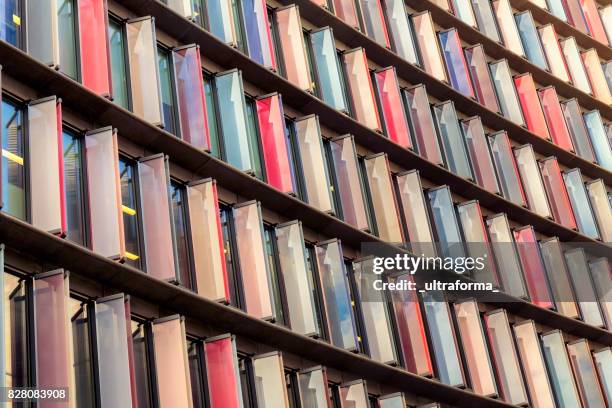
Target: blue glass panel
221	20
463	10
531	39
452	52
556	8
10	21
599	139
401	33
455	151
327	68
559	370
257	32
485	19
580	203
506	93
506	168
445	222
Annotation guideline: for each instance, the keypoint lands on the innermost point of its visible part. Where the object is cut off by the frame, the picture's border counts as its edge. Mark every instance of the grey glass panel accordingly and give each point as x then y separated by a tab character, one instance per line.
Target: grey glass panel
580	203
599	139
530	38
373	21
313	389
578	131
506	93
480	156
603	362
327	68
583	285
399	28
585	375
270	387
532	180
559	370
506	168
455	151
43	31
558	277
485	19
445	222
601	273
392	401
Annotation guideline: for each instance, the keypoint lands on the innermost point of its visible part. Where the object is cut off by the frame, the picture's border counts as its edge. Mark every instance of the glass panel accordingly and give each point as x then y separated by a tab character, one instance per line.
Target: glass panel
533	364
455	151
251	255
475	348
14	327
507	26
557	127
143	386
376	318
532	181
345	10
463	10
593	68
481	76
585	375
400	30
593	21
222	372
485	19
374	21
506	93
532	110
445	222
480	156
556	8
211	113
257	32
157	227
559	369
580	203
605	13
114	366
574	15
269	376
442	337
503	158
598	196
221	21
330	84
601	272
207	241
531	40
11	14
297	279
142	57
349	184
171	363
46	169
558	277
363	105
477	242
428	45
190	96
118	62
167	89
456	67
196	374
552	49
394	117
421	123
131	216
533	267
182	7
67	33
82	359
507	256
396	400
52	330
574	64
93	41
585	293
414	211
12	172
43	31
106	234
253	139
353	395
383	199
503	353
599	139
181	241
73	187
291	47
603	362
336	297
575	123
312	385
310	148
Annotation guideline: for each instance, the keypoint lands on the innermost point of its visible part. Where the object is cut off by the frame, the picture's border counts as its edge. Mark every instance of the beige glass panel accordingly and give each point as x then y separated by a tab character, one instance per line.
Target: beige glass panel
45	170
606	18
207	240
594	71
574	64
313	163
182	7
585	374
269	376
475	348
507	26
383	198
104	193
598	195
532	181
428	45
360	88
43	31
551	47
252	258
354	395
313	388
530	354
412	203
171	364
142	58
292	47
298	287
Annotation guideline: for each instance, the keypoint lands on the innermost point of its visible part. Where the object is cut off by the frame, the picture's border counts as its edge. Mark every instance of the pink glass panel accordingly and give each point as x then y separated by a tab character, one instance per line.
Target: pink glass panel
530	103
360	88
383	198
428	45
419	111
557	193
191	98
594	71
93	40
551	47
533	268
481	77
585	374
554	118
574	14
222	372
292	48
593	20
271	120
394	116
480	157
346	11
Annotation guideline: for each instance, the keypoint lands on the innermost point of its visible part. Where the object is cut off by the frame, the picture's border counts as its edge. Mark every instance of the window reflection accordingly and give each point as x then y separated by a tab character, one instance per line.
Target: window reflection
73	187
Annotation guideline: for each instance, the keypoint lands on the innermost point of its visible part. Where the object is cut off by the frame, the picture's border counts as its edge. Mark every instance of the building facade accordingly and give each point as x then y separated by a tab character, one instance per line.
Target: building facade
187	186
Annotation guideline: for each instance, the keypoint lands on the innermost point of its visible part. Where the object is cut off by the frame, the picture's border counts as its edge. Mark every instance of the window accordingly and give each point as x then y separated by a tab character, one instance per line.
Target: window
11	23
229	249
275	275
166	79
131	211
454	148
456	66
476	60
116	38
181	236
428	45
195	355
13	185
74	187
142	349
529	37
16	330
67	24
80	320
211	113
553	346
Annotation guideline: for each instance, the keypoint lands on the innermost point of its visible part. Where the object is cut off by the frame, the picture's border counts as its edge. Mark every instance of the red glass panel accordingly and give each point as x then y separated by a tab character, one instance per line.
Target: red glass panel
93	41
222	372
271	120
593	21
533	268
554	118
394	117
532	110
480	157
346	10
481	77
422	125
557	193
191	98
